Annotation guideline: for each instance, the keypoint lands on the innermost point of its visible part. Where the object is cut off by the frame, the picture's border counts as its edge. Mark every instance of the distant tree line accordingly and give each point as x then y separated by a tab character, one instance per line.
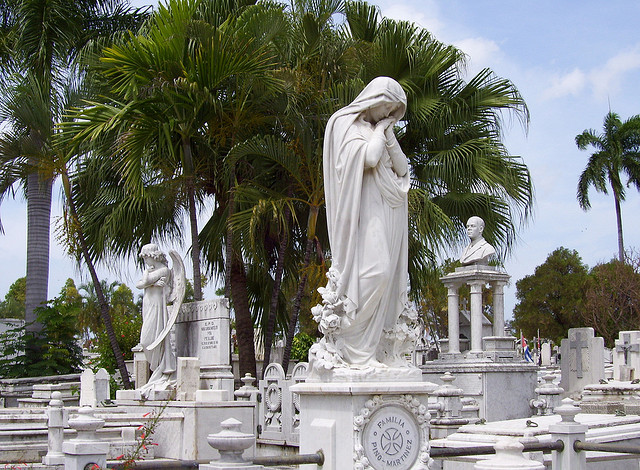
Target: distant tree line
564	293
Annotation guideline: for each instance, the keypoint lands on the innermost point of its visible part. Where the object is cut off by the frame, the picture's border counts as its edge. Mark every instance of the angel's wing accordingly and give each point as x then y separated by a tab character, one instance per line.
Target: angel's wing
175	297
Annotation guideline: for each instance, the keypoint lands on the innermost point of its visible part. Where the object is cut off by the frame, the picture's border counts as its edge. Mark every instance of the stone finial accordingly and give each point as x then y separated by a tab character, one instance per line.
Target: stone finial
568	411
509	456
247	392
86	424
231	442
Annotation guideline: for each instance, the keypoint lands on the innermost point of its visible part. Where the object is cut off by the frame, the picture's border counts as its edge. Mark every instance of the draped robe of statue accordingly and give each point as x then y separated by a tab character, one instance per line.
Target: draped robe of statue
367	219
155	316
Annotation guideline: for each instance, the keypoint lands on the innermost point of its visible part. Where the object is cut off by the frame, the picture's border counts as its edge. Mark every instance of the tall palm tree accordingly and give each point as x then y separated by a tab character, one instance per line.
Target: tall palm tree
617	151
40	41
176	98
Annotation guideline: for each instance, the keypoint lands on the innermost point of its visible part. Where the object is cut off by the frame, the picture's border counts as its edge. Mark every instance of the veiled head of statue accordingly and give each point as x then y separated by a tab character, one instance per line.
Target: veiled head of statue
382	91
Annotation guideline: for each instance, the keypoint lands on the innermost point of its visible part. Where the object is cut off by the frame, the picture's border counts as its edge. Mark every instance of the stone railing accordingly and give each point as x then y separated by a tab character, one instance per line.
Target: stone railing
279	412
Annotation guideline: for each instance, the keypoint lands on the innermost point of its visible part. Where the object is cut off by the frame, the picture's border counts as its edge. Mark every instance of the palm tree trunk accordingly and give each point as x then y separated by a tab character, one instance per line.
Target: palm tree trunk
38	226
295	310
104	306
244	322
275	292
193	219
616	198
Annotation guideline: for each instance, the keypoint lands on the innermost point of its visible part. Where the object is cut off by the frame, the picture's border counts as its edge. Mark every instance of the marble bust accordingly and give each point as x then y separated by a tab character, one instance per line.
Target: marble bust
479	250
366	182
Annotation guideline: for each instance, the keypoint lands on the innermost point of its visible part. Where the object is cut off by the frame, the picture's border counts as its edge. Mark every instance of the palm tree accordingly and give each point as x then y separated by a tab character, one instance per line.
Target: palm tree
176	99
39	43
451	134
617	150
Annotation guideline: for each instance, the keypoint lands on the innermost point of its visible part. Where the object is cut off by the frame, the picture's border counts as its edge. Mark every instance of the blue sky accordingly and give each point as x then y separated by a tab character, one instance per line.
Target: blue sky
572	61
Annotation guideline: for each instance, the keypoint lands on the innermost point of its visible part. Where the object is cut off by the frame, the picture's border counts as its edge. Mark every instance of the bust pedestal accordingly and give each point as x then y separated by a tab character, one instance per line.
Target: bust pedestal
375	425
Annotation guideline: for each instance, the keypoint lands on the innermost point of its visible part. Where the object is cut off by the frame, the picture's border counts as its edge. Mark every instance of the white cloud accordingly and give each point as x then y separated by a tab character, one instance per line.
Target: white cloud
608	79
481	52
603	81
571	83
406	11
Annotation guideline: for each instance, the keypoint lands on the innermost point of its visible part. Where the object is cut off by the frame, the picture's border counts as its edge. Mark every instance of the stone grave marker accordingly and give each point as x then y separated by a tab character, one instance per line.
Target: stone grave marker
626	356
546	354
582	359
202	331
88	388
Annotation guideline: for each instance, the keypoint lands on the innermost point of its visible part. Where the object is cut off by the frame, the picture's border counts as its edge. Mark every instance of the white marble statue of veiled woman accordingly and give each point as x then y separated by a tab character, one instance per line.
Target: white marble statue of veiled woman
162	286
366	181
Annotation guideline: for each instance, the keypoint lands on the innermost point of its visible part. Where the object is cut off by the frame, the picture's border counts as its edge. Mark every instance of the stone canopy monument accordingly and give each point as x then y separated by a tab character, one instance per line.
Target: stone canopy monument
359	369
490	364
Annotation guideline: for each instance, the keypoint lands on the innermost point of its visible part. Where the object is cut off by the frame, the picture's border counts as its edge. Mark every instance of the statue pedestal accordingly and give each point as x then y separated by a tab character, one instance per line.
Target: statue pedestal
384	423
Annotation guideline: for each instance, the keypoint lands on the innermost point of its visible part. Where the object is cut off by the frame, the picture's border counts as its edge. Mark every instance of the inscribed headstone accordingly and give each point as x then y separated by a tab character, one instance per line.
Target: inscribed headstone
582	359
202	331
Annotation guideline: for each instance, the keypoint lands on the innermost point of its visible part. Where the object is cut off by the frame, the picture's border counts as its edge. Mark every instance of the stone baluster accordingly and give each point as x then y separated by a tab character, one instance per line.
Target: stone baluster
85	449
549	395
509	455
568	431
476	317
56	418
230	442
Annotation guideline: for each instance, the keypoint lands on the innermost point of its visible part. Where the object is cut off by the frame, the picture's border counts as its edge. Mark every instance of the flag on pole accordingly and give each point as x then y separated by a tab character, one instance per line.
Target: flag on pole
525	349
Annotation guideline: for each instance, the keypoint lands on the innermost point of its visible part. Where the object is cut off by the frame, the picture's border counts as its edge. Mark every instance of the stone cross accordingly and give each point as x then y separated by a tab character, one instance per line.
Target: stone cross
578	344
627	347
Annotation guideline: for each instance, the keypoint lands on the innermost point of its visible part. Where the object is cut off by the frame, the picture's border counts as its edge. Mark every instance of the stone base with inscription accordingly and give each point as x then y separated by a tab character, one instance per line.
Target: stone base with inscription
202	331
360	425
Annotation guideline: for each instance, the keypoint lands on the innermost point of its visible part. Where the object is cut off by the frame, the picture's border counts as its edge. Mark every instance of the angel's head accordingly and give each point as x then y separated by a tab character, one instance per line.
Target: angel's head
151	252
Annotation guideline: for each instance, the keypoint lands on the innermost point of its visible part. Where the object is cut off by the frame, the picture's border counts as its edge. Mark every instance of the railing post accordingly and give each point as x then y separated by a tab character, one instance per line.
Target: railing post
55	433
568	431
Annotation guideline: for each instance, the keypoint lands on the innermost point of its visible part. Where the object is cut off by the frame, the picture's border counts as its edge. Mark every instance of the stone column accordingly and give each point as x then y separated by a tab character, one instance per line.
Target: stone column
454	319
498	307
476	316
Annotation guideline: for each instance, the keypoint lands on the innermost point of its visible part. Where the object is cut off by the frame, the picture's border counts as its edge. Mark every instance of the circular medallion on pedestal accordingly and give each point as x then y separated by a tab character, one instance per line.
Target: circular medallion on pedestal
391	439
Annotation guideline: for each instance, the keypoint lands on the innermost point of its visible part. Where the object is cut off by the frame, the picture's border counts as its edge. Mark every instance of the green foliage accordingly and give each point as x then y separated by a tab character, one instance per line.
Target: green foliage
551	299
127	322
13	304
302	342
60	352
612	299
